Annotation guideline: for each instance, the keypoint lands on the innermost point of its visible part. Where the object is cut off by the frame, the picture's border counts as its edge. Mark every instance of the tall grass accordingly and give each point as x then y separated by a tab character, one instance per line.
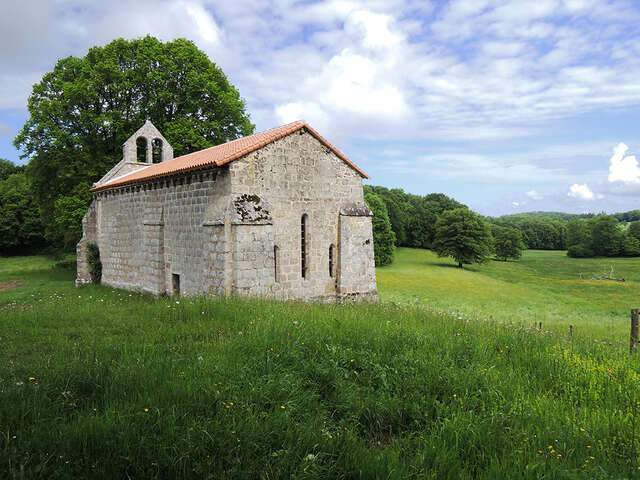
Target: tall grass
102	383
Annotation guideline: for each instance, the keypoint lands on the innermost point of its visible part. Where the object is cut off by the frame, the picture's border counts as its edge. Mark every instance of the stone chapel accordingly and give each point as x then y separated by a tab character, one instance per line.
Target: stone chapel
277	214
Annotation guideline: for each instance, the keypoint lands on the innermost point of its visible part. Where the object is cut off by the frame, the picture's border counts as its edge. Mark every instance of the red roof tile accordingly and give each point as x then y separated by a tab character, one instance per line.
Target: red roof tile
220	155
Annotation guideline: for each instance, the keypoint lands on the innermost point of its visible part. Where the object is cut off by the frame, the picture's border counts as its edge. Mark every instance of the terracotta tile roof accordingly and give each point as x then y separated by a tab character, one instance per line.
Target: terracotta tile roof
220	155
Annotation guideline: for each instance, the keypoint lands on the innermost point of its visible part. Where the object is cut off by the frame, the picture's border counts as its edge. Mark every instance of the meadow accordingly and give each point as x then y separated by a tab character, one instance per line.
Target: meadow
429	383
543	286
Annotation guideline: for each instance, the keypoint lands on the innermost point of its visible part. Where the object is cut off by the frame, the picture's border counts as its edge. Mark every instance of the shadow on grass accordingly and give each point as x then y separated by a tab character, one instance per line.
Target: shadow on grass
454	266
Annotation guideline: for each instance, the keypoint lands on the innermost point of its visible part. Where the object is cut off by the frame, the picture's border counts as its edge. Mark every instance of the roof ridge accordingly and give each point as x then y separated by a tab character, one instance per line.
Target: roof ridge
221	154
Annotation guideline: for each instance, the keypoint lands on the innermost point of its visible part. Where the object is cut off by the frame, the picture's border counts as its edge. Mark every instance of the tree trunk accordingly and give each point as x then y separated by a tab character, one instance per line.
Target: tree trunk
459	264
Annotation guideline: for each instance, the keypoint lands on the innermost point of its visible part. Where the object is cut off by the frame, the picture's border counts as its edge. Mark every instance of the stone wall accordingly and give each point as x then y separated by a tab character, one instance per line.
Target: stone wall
147	233
298	175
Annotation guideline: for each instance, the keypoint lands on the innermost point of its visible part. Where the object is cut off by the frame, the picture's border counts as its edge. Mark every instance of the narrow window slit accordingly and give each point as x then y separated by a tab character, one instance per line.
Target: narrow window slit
303	245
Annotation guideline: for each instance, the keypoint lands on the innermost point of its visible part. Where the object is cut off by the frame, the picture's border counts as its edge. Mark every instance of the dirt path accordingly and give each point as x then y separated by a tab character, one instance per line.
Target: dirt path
10	285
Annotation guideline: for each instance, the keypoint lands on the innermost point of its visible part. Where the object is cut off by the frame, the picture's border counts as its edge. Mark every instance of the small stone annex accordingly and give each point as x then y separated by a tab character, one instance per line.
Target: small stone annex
277	214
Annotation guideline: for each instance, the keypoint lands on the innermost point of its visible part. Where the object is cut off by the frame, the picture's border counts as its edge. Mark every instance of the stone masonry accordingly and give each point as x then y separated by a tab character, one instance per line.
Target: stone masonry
246	226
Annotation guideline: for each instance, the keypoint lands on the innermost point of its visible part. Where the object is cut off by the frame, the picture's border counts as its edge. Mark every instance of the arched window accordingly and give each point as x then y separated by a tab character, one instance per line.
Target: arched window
276	266
141	150
303	245
331	260
156	150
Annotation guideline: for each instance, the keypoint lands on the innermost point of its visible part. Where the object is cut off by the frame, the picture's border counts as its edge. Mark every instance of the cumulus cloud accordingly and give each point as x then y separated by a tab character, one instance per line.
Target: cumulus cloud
623	168
582	192
534	195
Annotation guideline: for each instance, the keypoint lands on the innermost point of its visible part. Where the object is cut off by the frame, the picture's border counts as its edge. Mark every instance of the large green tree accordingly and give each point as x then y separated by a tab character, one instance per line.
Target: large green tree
464	236
606	236
383	236
507	243
81	113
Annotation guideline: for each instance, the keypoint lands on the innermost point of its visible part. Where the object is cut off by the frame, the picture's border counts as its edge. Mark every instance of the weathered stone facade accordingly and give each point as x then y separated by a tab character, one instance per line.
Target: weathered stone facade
286	220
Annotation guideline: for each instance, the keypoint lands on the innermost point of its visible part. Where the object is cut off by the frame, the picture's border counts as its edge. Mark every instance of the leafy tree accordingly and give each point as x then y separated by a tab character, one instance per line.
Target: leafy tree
634	229
580	250
507	243
630	246
413	217
578	232
65	229
82	112
606	236
9	168
383	237
462	235
20	226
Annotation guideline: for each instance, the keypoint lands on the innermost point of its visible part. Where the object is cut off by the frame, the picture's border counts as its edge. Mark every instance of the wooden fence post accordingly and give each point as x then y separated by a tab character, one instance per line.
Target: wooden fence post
634	331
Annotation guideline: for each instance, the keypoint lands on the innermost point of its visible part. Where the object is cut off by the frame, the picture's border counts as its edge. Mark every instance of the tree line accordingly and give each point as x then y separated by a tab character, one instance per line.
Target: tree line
439	223
406	220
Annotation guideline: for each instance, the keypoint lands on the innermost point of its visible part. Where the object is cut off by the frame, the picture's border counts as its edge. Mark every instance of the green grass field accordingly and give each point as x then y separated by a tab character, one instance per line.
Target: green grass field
102	383
544	286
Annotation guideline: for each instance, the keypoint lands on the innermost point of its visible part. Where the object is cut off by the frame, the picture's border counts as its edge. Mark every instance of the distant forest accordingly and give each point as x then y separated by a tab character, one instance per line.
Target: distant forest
413	219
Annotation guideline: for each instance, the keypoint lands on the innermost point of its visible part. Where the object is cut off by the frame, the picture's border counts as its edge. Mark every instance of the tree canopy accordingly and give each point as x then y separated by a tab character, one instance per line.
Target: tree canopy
383	236
9	168
507	243
20	226
81	113
462	235
413	217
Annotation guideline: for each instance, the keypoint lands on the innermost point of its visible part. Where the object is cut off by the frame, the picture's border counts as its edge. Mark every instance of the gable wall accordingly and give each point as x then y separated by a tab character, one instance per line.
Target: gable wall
299	175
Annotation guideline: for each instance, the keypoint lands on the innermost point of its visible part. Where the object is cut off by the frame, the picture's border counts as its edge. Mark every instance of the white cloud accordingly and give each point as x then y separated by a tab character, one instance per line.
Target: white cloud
623	168
534	195
376	29
517	204
582	192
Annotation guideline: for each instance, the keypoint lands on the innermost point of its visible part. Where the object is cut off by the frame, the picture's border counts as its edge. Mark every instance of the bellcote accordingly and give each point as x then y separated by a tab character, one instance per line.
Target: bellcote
147	145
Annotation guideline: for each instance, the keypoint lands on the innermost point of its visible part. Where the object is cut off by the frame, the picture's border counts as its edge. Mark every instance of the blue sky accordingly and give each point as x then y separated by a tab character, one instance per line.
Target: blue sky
507	106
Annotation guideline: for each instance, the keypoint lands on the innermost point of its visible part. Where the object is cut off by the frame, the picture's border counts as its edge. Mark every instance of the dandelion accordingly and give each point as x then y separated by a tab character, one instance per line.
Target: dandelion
227	406
588	446
581	429
282	407
352	360
146	410
454	395
31	379
539	452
